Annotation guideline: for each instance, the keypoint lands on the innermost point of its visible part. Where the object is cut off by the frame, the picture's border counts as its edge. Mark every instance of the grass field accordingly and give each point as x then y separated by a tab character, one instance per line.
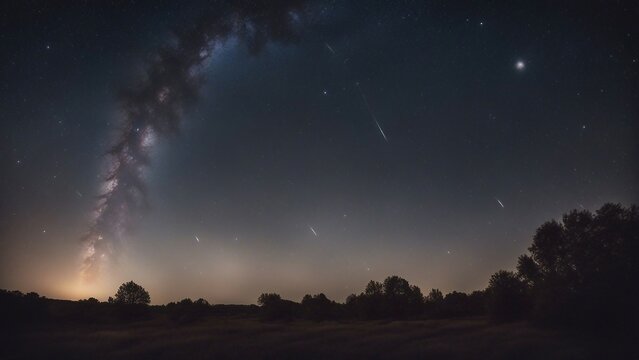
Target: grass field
242	337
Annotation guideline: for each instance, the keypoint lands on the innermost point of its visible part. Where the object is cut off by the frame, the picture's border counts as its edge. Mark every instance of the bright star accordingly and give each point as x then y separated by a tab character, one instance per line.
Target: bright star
520	65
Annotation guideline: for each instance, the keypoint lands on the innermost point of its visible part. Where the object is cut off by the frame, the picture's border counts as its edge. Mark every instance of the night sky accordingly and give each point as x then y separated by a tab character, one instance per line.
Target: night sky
309	146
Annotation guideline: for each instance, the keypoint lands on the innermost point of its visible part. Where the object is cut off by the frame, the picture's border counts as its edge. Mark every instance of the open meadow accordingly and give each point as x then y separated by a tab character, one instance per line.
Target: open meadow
233	337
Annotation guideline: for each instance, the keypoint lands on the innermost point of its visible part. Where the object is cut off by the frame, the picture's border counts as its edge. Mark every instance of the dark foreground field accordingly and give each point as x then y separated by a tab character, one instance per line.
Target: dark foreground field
244	337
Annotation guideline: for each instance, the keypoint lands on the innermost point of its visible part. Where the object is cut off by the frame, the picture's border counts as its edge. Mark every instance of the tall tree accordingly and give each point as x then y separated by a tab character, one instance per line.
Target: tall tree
132	293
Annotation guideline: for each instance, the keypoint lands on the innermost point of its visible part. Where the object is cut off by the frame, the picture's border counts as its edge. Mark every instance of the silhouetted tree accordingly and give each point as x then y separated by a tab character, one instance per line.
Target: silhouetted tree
395	297
90	300
273	307
201	302
528	270
434	296
400	298
433	304
185	302
477	302
455	304
583	270
187	310
268	298
131	293
318	307
20	309
374	288
506	297
32	296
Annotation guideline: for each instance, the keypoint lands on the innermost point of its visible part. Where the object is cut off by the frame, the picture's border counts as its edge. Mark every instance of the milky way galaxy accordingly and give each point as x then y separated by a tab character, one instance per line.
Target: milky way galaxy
154	107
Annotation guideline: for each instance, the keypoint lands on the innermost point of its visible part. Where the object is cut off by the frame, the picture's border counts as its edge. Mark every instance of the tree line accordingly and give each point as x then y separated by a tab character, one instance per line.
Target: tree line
581	271
394	298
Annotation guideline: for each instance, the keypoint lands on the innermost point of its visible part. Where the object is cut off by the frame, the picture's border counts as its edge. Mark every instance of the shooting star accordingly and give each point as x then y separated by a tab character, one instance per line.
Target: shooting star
330	48
313	230
197	239
370	111
380	130
500	203
361	92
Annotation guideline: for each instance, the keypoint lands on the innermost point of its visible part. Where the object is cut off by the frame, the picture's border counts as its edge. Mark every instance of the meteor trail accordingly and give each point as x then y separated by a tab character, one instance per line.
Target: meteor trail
313	230
196	238
330	48
500	203
370	111
364	99
380	130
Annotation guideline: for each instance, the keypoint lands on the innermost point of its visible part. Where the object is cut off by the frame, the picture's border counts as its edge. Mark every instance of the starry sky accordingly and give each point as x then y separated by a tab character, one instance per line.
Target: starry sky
423	139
